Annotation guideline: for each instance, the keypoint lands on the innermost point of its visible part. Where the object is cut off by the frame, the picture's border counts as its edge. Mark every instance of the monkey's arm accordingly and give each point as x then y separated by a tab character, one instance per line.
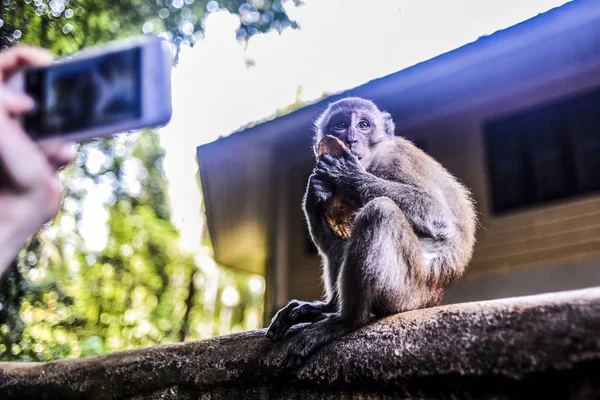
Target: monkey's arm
429	216
331	246
317	193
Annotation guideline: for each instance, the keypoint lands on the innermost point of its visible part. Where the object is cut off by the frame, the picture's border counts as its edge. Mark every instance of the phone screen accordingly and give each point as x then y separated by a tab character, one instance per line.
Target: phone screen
78	95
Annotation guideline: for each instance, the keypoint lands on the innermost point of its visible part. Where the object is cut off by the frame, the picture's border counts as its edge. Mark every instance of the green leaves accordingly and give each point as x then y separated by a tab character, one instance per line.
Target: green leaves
139	290
108	274
93	346
65	26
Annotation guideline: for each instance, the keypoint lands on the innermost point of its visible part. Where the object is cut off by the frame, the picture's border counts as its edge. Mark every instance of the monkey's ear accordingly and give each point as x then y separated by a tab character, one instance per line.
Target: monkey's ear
390	127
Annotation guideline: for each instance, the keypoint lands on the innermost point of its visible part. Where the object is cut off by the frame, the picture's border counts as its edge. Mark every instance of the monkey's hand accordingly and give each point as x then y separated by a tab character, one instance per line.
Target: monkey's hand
297	312
344	171
319	191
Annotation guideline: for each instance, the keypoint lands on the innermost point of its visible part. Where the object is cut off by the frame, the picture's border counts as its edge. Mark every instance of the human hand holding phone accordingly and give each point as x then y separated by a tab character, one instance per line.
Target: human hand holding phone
30	192
120	86
104	90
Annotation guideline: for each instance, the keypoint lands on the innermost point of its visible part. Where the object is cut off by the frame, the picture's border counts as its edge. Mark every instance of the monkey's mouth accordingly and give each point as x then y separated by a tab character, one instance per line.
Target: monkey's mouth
356	154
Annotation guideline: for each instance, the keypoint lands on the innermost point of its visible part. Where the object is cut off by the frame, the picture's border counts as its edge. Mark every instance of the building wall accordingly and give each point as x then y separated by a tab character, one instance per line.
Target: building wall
544	248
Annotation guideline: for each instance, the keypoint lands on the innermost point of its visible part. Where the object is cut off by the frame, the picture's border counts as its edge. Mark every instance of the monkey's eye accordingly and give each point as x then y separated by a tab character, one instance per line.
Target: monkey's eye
363	124
340	126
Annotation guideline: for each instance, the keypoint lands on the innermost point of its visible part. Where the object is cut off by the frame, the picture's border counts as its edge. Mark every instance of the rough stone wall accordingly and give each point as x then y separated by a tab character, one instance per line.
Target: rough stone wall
545	346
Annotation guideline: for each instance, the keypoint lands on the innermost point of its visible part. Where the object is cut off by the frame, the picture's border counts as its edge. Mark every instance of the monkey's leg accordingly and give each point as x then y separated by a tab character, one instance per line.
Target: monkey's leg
297	312
331	248
377	278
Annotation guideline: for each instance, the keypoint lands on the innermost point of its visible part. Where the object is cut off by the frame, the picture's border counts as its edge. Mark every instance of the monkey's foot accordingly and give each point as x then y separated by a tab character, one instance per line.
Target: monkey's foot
300	347
309	339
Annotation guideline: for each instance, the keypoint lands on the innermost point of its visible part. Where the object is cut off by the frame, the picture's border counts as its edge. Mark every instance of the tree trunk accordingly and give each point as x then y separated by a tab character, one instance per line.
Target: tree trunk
189	304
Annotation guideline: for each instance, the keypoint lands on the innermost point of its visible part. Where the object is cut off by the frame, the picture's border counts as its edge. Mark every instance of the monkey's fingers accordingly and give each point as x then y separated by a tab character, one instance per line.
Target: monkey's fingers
278	329
280	323
349	155
352	160
316	180
305	313
323	169
333	164
326	175
322	190
294	314
327	159
330	160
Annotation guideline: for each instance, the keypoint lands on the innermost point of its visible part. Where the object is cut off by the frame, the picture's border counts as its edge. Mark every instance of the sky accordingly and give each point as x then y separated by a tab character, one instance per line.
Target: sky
340	44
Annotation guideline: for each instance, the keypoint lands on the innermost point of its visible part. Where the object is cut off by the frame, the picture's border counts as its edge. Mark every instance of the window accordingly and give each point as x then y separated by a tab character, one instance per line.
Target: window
544	154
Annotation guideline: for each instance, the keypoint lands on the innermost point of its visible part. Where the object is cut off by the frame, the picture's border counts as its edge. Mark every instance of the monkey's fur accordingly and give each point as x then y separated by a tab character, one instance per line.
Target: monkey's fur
412	237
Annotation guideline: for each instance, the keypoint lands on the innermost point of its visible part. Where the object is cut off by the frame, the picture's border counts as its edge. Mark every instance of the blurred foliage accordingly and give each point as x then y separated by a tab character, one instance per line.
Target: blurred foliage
69	25
62	298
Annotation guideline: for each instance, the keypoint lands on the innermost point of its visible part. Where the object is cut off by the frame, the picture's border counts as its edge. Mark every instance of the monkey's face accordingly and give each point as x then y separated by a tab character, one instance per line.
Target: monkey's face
358	123
358	129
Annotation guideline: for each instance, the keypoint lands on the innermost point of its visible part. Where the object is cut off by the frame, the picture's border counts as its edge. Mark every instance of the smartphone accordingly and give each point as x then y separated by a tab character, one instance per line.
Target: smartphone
113	88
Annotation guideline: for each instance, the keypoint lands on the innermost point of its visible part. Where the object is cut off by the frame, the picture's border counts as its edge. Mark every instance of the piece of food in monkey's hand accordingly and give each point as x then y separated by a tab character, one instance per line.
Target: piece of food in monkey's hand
341	208
332	146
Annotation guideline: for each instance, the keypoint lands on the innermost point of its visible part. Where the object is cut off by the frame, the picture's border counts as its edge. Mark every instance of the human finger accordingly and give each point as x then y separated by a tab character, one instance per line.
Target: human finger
59	154
14	103
21	158
22	56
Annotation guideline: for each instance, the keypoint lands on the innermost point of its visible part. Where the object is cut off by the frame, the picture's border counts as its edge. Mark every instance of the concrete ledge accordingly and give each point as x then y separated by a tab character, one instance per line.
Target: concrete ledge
545	346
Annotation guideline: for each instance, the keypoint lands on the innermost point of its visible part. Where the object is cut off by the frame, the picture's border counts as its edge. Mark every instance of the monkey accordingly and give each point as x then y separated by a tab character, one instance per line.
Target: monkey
412	236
